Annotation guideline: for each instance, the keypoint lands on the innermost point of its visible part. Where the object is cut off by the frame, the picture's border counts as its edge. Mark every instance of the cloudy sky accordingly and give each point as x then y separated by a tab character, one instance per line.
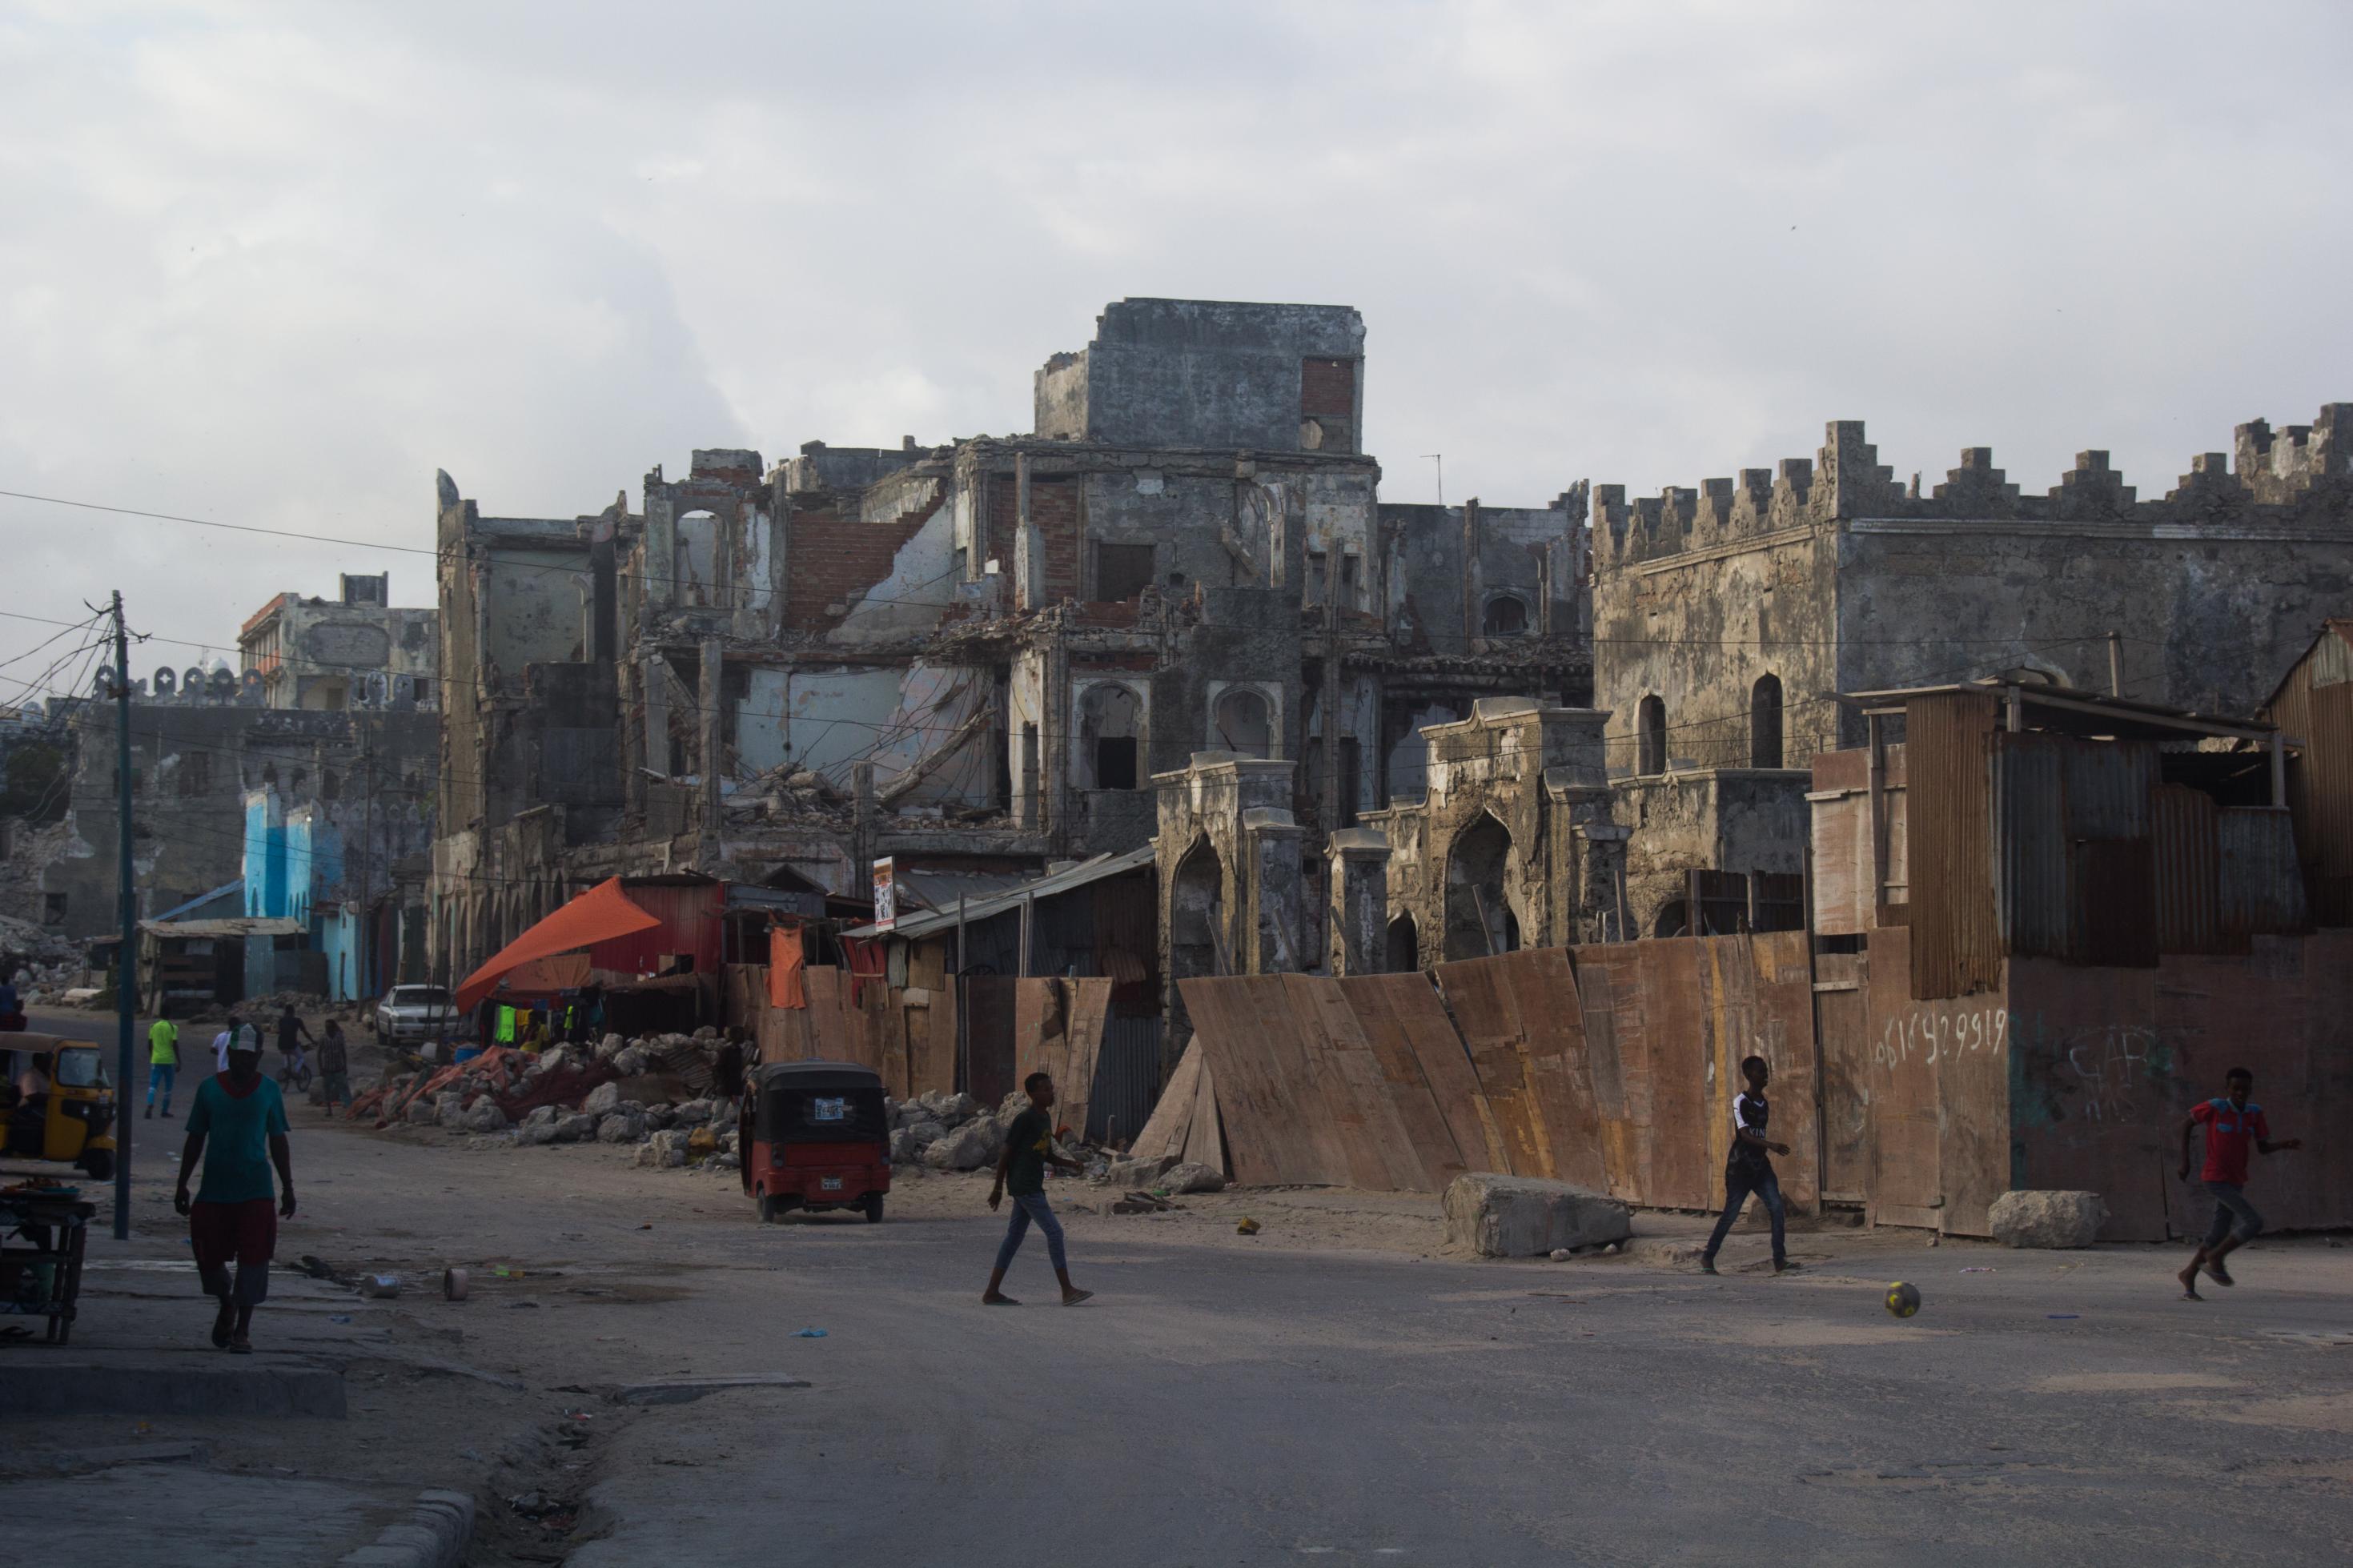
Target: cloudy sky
274	264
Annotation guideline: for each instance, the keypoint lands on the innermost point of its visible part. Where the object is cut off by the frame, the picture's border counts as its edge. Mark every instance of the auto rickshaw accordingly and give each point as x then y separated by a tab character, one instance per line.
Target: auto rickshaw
814	1135
57	1104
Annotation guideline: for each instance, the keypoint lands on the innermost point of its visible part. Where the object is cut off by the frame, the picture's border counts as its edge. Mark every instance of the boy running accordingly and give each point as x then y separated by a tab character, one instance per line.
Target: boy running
1021	1173
1746	1169
163	1061
2231	1125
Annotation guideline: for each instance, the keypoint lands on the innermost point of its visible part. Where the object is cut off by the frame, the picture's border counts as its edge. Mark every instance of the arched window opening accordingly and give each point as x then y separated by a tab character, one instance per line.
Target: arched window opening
1110	726
1244	723
1506	616
1651	736
1765	723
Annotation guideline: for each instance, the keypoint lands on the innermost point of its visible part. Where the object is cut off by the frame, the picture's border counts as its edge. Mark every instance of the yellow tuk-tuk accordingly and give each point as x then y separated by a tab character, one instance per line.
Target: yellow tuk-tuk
57	1104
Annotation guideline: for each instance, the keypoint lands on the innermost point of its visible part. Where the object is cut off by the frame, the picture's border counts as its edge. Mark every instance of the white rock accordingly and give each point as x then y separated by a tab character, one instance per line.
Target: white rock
904	1146
694	1113
629	1062
576	1128
623	1126
604	1098
2050	1219
929	1130
1139	1172
423	1113
1192	1177
486	1117
531	1132
976	1143
610	1045
1526	1216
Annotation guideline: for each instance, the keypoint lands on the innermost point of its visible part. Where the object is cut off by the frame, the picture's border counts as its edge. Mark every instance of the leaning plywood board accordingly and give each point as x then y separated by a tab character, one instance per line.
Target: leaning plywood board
1244	1027
1083	1045
1172	1115
1609	997
1446	1068
1682	1175
1357	1110
1205	1136
1435	1157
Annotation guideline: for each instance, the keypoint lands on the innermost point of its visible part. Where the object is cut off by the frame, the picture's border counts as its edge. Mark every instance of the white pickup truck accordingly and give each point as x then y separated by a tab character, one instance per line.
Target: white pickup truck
409	1015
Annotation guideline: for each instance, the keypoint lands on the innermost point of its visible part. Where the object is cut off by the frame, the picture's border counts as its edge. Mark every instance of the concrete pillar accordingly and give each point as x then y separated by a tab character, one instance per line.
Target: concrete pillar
1358	858
1028	546
708	701
657	753
1273	902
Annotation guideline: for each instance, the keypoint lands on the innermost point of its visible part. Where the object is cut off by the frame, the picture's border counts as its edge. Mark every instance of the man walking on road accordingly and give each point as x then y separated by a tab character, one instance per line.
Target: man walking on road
335	1067
238	1128
1021	1174
2231	1125
1747	1168
163	1062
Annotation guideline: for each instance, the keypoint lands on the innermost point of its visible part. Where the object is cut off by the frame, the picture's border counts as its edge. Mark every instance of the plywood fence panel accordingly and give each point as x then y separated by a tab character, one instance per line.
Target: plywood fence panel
1436	1154
1379	1155
1680	1173
2088	1110
1172	1116
1784	1036
1446	1068
1906	1184
1610	995
1245	1025
1478	994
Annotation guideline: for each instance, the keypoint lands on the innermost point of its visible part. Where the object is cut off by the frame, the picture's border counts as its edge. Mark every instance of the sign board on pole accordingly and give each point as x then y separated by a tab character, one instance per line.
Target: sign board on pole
886	895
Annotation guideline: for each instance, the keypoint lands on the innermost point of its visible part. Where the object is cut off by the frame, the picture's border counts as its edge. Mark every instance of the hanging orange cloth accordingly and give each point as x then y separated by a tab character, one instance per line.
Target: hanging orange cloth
865	961
784	961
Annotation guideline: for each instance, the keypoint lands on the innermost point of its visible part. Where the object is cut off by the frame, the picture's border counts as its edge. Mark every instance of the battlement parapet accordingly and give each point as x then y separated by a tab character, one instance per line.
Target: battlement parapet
2299	475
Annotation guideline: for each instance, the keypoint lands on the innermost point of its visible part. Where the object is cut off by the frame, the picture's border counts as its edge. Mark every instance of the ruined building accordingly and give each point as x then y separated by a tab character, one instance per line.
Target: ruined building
1726	617
356	650
976	657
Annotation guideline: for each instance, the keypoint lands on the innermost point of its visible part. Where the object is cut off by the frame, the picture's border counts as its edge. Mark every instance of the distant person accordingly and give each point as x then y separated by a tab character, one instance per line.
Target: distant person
163	1062
221	1044
335	1067
292	1033
238	1128
2231	1125
1021	1174
727	1071
1749	1168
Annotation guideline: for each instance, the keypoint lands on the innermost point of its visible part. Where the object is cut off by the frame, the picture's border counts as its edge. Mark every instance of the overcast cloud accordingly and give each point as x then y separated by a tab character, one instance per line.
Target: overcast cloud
274	264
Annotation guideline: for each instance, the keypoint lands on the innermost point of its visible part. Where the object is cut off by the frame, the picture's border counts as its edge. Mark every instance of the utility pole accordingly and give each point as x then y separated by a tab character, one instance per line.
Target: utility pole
362	944
126	978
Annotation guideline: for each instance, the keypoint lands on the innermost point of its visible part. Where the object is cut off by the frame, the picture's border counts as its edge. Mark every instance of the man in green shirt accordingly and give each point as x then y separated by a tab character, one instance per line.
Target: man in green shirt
163	1061
233	1217
1022	1174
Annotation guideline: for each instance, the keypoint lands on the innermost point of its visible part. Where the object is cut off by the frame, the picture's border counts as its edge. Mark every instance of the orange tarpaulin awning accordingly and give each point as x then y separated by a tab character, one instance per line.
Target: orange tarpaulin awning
604	911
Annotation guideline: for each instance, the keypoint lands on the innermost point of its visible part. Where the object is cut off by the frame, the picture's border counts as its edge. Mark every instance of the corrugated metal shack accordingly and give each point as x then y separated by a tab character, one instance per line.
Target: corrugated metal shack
2313	707
2101	907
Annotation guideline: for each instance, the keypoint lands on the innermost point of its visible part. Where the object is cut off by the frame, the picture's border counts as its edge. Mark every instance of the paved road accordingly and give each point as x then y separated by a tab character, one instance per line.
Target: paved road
1217	1407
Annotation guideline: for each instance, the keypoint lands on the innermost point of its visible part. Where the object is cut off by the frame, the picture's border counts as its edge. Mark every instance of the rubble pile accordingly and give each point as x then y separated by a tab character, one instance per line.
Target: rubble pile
950	1131
653	1092
41	964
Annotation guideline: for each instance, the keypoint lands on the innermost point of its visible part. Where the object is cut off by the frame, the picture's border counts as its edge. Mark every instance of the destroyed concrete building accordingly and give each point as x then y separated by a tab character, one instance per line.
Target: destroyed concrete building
356	650
1725	618
976	657
208	761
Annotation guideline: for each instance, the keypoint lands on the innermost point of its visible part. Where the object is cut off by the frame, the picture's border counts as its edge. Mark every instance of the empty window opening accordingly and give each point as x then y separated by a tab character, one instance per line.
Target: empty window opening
1651	736
1506	616
1244	724
1122	572
1765	723
1109	730
1404	955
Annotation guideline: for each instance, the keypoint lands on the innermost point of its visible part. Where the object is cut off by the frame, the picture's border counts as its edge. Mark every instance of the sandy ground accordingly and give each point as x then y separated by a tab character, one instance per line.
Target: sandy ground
1336	1386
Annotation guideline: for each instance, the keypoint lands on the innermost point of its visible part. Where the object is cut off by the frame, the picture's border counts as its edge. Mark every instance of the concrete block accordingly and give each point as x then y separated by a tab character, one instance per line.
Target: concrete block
78	1388
686	1390
1526	1216
2052	1219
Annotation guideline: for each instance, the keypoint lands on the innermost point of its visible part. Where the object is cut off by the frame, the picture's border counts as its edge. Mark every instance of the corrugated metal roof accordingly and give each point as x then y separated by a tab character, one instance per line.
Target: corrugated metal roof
1045	887
244	925
2029	795
940	889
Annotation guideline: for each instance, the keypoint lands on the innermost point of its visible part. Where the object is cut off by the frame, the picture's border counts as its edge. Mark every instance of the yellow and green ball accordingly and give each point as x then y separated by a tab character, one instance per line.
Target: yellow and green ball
1902	1300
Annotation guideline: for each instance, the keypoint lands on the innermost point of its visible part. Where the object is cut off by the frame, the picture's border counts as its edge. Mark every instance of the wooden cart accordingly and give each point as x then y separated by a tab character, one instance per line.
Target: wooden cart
41	1241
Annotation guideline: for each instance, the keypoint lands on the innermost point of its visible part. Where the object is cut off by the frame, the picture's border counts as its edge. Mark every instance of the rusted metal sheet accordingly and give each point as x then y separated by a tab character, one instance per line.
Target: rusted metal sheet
1477	995
2107	785
691	922
2326	823
987	1008
1374	999
2262	885
1785	1038
1370	1142
1541	989
1682	1175
1956	938
2087	1102
1845	1046
2031	825
1907	1187
2186	828
1610	995
1842	861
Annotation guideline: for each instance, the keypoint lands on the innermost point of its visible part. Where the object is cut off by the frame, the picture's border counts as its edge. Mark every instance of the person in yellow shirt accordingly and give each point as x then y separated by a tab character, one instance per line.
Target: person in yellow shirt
163	1061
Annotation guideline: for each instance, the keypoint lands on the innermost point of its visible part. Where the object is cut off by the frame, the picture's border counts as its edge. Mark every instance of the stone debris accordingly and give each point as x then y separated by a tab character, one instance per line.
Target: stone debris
950	1131
1527	1216
2047	1219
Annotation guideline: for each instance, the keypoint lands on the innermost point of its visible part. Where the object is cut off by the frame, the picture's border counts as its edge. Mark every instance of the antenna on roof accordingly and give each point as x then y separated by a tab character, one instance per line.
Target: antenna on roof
1439	458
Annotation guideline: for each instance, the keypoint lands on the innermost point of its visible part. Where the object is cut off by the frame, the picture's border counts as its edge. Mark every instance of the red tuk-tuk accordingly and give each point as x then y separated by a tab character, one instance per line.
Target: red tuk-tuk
815	1136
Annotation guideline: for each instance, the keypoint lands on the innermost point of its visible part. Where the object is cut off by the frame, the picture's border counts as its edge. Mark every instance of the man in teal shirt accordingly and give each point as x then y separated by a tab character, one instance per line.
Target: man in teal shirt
238	1128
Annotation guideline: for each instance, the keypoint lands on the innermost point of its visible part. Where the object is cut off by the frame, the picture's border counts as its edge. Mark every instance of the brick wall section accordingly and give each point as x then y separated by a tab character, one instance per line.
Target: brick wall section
1054	507
832	561
1328	388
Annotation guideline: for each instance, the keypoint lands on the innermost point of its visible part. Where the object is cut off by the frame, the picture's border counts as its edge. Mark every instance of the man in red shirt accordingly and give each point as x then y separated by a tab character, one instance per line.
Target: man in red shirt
2231	1125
